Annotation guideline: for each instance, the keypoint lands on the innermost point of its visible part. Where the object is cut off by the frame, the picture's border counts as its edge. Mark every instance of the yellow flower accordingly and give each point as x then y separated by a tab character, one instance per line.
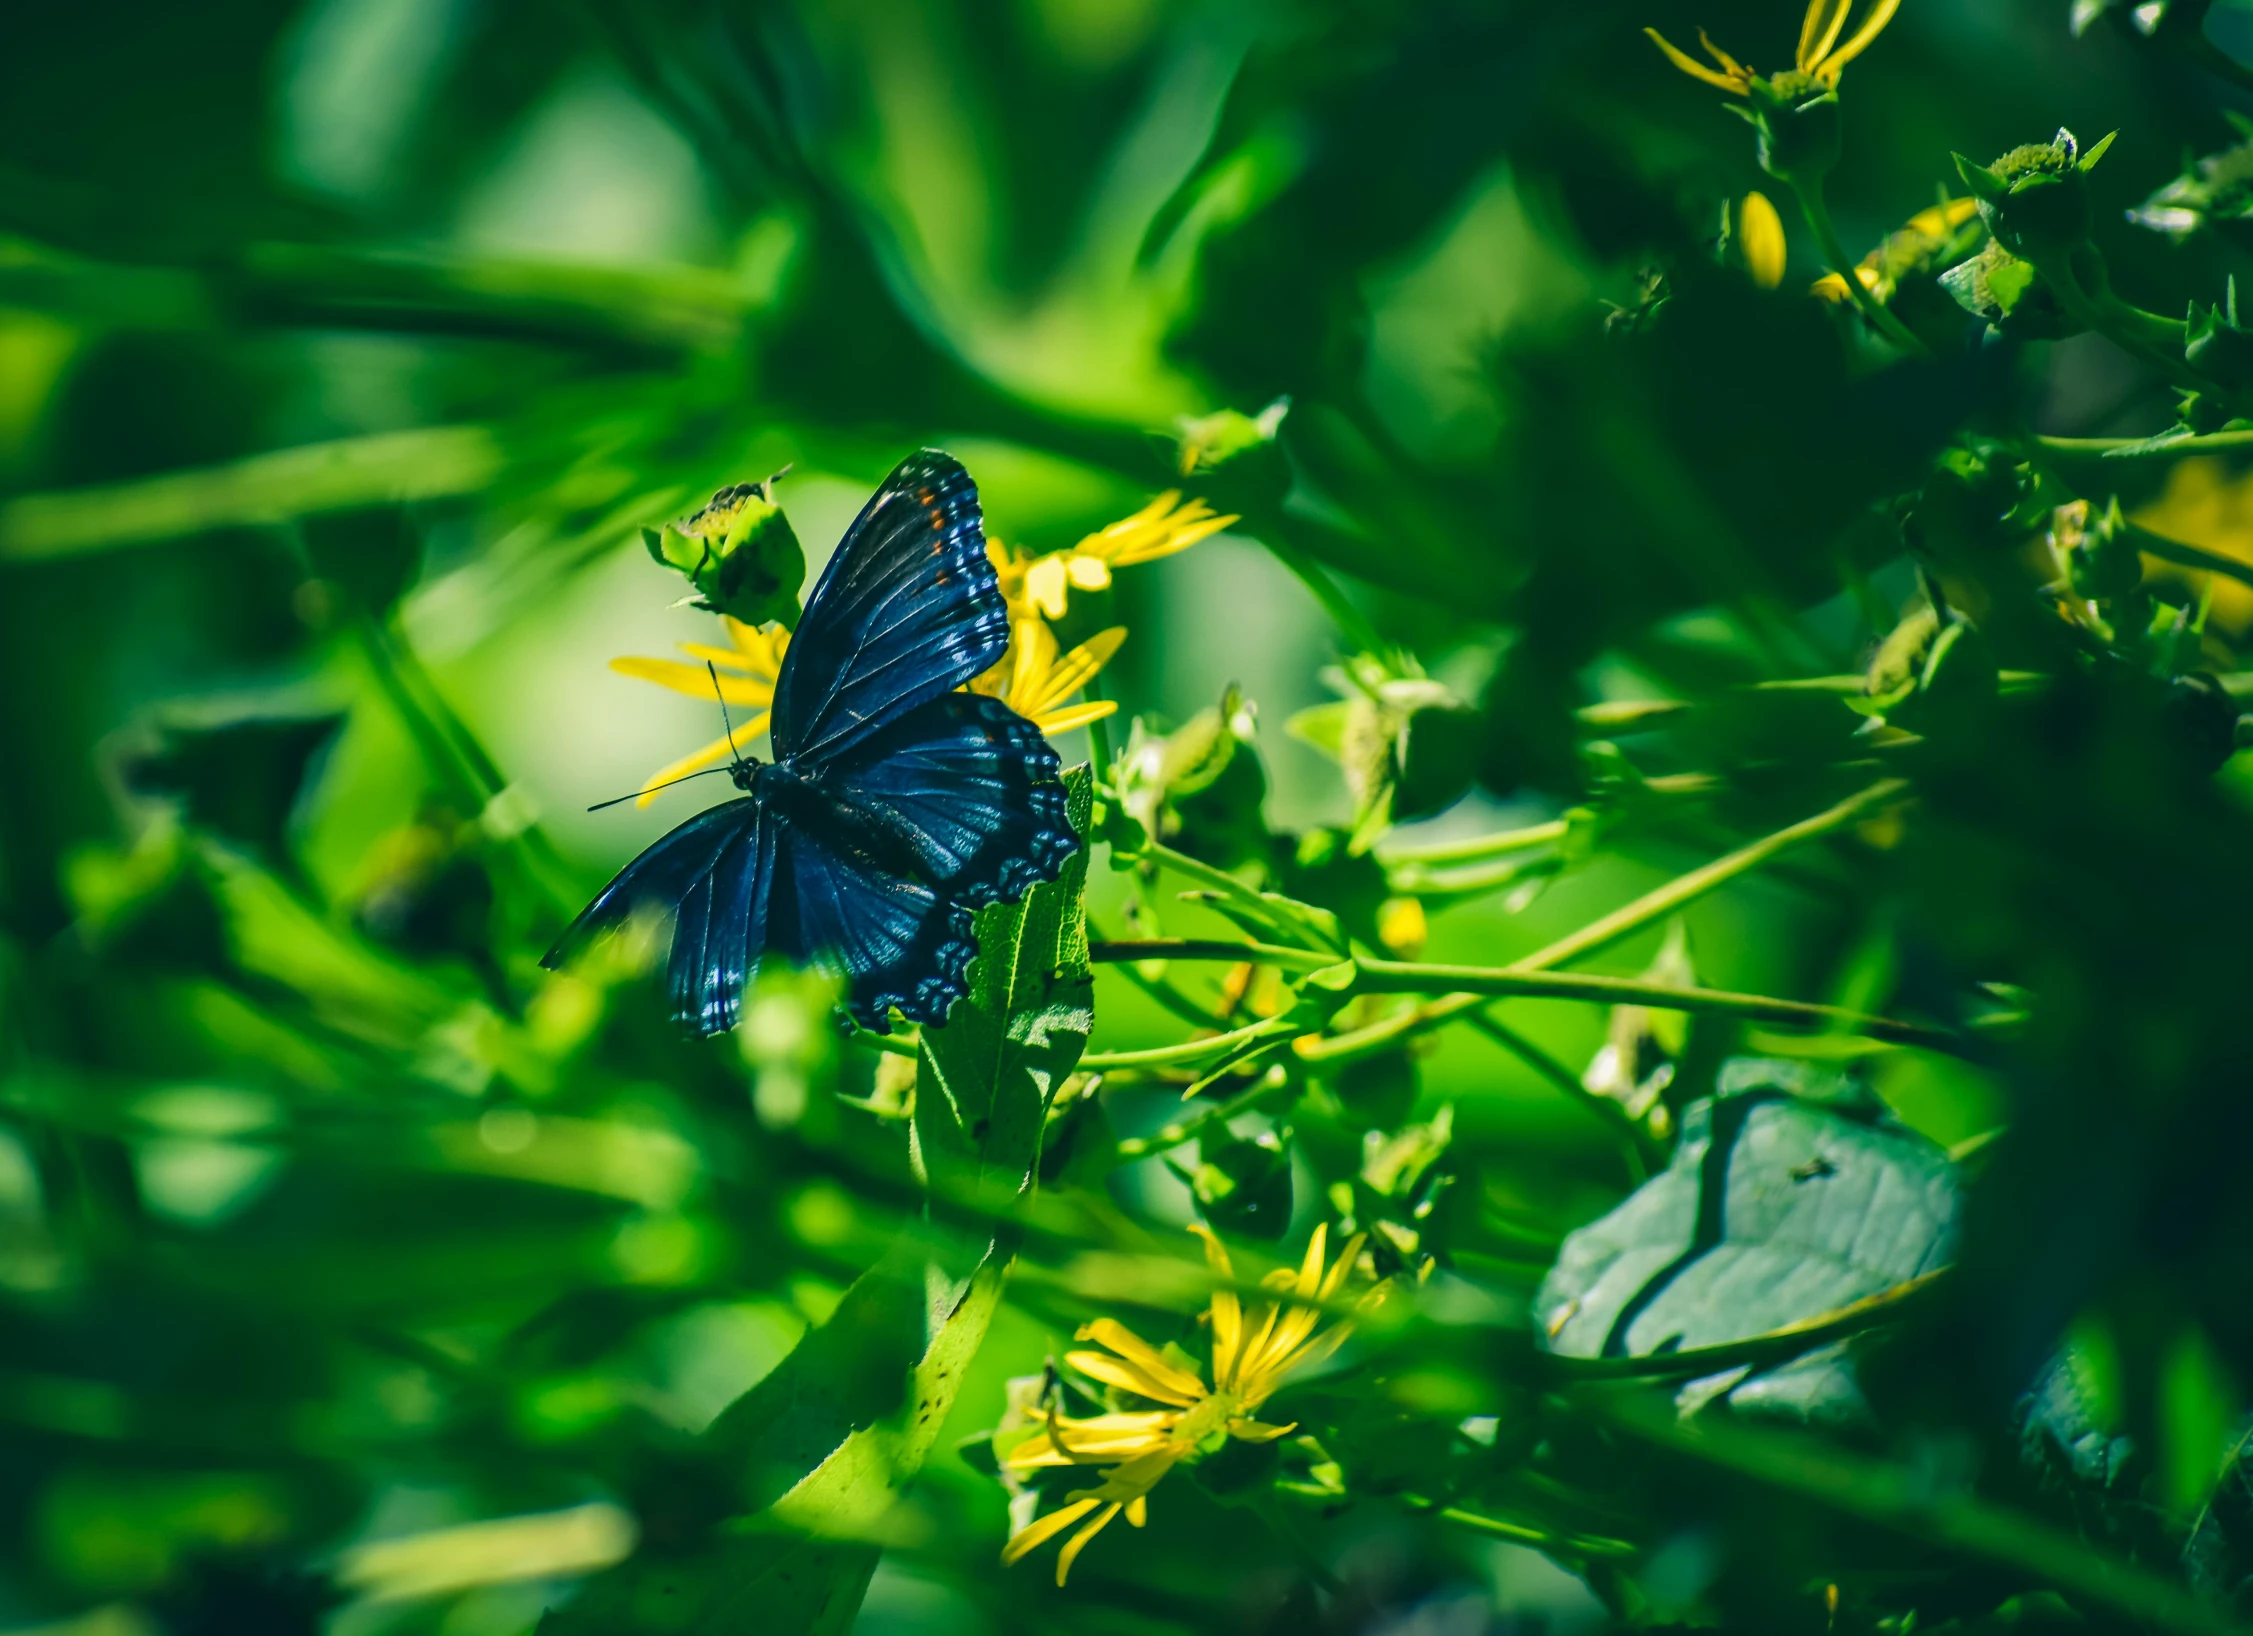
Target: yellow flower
1760	240
1030	678
1252	1352
1904	251
1820	56
1159	529
1035	683
747	670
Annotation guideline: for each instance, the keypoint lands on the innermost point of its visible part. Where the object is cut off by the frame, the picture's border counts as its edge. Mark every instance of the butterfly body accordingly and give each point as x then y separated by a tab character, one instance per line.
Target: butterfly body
894	806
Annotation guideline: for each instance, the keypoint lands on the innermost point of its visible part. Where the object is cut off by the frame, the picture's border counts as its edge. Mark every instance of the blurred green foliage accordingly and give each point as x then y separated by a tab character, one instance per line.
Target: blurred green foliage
1700	823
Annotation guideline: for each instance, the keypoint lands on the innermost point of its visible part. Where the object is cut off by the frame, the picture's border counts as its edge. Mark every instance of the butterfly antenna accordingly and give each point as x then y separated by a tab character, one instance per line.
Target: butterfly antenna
735	757
652	789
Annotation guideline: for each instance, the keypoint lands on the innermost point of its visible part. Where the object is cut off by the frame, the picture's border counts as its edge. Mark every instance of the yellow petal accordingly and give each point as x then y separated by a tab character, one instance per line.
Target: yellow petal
1244	1367
1342	1268
695	680
1227	1315
1140	1353
1179	538
1818	29
714	753
1035	646
1312	1353
1041	1530
1872	26
1078	1542
1691	66
1088	573
1938	221
1119	1372
1053	722
1077	668
1044	586
1256	1431
1310	1267
1138	1511
1729	64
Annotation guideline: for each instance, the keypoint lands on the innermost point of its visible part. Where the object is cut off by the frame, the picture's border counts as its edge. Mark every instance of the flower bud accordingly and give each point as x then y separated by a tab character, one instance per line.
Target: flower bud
2010	293
1796	119
2215	346
2036	197
739	552
1209	442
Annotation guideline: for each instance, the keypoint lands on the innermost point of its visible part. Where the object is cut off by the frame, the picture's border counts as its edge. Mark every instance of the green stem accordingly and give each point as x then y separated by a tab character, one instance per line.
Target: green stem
1213	1113
1162	1056
2144	448
1223	883
1684	889
1128	957
1564	1544
2191	556
1472	982
1206	948
2156	340
1479	848
1811	205
1620	923
1350	620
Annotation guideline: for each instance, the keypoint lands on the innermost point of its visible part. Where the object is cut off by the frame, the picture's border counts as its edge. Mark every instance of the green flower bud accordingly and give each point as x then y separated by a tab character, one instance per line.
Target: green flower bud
1209	442
2214	345
1796	119
2010	293
2036	198
2096	551
739	552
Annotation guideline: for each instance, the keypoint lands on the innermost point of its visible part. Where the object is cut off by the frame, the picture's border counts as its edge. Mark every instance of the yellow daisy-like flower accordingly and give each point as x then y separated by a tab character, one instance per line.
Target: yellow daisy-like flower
746	669
1031	678
1820	56
1252	1353
1159	529
1033	681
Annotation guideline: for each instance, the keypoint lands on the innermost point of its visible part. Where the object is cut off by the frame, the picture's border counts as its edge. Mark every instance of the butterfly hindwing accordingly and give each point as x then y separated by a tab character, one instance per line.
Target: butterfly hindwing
899	942
908	609
970	789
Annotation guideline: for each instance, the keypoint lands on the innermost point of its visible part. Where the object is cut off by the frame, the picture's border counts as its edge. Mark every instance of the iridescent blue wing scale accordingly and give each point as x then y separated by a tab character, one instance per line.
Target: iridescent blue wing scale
908	609
713	875
896	940
722	928
969	788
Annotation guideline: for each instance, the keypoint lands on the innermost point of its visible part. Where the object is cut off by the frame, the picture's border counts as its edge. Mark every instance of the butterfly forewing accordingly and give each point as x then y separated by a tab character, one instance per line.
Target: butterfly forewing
722	928
908	609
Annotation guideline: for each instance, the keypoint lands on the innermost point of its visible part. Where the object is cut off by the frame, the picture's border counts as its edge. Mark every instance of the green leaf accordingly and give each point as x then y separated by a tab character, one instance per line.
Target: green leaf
1008	1043
1773	1211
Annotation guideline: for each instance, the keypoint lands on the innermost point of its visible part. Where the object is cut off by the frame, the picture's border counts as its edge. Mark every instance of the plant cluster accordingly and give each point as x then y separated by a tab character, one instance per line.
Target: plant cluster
1692	1076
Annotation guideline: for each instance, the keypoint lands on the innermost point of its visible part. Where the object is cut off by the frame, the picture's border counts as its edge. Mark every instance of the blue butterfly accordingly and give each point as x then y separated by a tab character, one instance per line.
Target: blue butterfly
894	805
